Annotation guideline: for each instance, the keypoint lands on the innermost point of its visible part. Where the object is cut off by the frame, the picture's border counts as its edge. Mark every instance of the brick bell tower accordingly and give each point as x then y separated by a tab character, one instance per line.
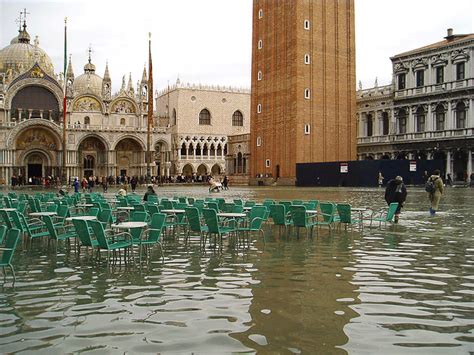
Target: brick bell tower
303	103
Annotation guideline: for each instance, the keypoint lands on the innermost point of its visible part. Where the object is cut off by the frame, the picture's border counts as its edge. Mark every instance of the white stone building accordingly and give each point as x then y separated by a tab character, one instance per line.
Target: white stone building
428	111
200	120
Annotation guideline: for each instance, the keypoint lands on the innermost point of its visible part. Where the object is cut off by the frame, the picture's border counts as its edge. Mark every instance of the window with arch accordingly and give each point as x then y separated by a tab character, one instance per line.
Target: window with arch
260	44
307	93
460	71
402	121
260	13
259	108
89	162
205	117
87	120
122	121
259	75
420	119
306	24
259	141
237	119
461	115
307	128
174	117
307	59
440	114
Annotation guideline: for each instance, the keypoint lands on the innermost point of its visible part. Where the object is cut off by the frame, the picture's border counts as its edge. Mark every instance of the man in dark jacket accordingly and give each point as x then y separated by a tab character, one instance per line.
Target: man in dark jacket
396	191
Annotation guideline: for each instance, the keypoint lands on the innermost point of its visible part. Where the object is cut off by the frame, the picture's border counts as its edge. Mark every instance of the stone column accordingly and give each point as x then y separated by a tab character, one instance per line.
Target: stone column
448	123
410	121
469	164
179	154
429	120
448	162
377	125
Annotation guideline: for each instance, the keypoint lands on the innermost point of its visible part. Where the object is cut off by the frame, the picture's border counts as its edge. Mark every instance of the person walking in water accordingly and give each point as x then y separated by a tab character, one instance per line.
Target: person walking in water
435	189
396	191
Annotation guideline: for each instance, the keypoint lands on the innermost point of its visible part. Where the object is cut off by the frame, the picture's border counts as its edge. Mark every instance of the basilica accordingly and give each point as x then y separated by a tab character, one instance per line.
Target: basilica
106	131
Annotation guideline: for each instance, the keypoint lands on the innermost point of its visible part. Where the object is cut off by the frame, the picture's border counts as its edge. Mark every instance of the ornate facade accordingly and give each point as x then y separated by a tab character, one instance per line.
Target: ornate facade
427	113
106	133
200	119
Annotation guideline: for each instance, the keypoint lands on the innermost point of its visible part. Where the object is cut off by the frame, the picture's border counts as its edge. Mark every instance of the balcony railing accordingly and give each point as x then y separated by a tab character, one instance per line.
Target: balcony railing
419	136
435	88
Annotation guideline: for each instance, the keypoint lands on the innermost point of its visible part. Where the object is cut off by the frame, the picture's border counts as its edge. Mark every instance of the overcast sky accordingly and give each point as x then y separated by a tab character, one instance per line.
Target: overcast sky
209	41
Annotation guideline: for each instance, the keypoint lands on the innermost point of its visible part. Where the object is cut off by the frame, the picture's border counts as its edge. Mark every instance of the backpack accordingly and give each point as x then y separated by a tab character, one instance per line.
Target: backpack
430	186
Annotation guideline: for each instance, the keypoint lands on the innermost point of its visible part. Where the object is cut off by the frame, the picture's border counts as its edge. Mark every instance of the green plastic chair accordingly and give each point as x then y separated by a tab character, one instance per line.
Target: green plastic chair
194	225
254	224
84	233
228	207
3	232
11	241
123	240
33	228
154	233
385	215
6	219
345	215
328	213
214	228
302	220
58	233
280	216
213	206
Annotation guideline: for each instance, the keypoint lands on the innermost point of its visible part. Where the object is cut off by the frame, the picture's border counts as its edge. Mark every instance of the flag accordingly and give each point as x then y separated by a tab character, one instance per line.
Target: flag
150	85
65	69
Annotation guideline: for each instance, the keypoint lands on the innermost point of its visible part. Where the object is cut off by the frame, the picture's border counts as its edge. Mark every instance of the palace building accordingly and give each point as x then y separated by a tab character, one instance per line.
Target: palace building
303	102
427	113
106	132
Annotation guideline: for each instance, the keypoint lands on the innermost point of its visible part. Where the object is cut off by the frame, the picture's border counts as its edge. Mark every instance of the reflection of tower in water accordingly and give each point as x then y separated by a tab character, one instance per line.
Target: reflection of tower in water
301	302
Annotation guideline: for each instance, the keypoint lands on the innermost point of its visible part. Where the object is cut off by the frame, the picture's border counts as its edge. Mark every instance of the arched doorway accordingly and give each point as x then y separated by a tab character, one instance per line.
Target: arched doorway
45	144
129	157
202	170
92	157
187	170
216	169
36	164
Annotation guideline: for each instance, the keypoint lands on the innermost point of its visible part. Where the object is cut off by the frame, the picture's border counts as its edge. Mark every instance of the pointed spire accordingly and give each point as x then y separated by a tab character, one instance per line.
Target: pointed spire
130	84
106	74
70	72
144	76
123	84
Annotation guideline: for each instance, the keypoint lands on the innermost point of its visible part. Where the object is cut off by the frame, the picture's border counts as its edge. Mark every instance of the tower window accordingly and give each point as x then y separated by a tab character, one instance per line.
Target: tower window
260	13
259	108
307	59
267	163
306	24
260	44
307	93
87	120
259	141
122	121
307	128
259	75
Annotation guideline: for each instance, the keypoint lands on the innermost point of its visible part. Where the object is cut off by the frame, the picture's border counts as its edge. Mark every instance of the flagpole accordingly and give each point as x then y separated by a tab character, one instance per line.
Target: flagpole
150	109
64	171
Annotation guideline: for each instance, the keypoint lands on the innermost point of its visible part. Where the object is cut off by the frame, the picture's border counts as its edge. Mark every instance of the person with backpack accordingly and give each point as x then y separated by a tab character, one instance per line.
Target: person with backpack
396	191
435	187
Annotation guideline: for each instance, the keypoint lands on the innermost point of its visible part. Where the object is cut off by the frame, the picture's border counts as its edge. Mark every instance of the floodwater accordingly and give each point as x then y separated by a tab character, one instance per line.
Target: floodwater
407	288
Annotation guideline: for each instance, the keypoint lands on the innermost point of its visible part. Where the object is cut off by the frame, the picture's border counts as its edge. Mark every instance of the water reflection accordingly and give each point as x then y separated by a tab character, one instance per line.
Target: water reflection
391	290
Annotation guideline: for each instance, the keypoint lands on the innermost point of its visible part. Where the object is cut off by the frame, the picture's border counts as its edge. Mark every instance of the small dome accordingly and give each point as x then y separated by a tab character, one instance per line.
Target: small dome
89	67
89	83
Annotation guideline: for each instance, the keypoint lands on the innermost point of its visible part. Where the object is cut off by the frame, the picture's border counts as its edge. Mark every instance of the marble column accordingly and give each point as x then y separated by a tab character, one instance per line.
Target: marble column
469	164
448	162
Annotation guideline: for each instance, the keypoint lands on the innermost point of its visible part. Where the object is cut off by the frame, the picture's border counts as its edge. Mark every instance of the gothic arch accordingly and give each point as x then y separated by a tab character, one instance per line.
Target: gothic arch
102	139
22	126
132	137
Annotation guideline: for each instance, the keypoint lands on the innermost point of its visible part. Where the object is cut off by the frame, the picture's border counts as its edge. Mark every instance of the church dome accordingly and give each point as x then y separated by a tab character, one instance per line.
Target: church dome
21	55
89	82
